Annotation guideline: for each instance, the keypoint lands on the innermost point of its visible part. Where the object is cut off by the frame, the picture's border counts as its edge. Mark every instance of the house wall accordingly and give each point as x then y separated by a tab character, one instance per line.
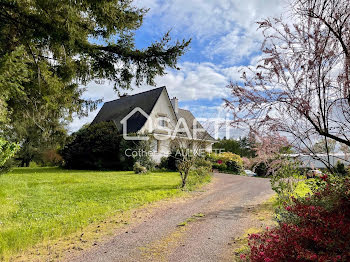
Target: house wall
162	108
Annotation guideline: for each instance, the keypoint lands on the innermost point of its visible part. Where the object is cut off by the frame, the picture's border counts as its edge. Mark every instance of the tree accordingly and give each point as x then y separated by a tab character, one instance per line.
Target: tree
243	146
7	150
48	48
98	146
270	150
301	85
187	144
324	146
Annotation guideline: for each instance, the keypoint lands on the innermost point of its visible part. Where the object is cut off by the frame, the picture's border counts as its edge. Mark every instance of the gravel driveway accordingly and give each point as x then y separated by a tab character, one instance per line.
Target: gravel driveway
196	228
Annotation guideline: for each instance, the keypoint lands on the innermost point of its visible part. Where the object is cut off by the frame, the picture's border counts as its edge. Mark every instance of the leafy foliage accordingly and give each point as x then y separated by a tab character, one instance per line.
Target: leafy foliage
285	180
51	157
7	150
243	147
340	169
58	35
143	158
138	169
48	48
320	230
170	162
98	146
297	89
261	169
227	161
202	162
220	166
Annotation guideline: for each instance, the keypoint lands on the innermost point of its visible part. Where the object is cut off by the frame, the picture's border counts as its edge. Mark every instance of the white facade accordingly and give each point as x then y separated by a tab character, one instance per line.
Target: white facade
162	147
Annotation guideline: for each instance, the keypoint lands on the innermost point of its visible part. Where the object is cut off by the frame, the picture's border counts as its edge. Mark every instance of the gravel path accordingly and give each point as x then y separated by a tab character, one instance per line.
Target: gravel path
198	228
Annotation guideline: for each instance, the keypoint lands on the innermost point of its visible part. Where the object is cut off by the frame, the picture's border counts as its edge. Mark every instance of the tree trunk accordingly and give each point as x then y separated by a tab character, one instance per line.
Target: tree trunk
183	183
184	179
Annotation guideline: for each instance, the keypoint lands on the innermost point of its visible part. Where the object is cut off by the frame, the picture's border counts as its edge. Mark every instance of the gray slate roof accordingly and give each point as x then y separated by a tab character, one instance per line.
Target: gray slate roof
116	110
189	118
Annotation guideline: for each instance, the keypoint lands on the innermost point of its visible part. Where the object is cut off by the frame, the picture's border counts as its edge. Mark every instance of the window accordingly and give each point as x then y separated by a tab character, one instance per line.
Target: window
154	145
162	123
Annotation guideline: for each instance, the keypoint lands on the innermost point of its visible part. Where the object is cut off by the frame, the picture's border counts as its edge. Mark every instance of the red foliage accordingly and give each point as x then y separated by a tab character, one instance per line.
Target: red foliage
320	233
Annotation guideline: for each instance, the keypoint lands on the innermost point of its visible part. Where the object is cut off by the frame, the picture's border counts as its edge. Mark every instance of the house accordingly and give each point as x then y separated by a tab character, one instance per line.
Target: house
318	160
153	115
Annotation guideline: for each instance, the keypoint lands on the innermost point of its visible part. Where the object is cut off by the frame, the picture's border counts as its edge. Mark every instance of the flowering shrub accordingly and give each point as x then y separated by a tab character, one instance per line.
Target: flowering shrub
220	166
227	161
320	230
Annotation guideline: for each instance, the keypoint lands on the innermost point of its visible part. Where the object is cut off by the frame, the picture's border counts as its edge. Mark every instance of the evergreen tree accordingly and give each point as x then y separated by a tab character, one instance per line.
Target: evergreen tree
49	47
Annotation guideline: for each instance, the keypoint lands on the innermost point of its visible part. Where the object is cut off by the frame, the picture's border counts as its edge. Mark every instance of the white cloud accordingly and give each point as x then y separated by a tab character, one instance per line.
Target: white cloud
229	25
226	26
195	81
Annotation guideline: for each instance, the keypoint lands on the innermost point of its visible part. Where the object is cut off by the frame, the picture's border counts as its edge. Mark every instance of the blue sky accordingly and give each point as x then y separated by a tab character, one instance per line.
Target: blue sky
224	39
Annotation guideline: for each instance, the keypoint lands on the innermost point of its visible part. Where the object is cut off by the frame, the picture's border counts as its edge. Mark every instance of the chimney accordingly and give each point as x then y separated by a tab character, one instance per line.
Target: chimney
175	103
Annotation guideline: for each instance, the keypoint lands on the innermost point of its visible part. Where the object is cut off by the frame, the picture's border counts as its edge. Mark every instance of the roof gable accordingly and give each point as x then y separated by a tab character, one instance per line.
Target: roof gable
190	120
116	110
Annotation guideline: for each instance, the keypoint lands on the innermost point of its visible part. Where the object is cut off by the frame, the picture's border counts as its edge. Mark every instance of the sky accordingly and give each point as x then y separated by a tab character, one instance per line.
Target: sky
224	37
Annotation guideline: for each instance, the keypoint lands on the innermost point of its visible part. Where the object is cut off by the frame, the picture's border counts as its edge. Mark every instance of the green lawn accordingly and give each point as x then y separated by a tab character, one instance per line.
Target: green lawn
38	204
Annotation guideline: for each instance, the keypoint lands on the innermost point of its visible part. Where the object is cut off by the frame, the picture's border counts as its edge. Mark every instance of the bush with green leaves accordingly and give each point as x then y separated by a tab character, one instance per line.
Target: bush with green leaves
202	162
340	169
227	162
220	166
139	169
285	180
100	147
233	166
261	169
171	162
7	151
200	171
143	158
50	157
163	163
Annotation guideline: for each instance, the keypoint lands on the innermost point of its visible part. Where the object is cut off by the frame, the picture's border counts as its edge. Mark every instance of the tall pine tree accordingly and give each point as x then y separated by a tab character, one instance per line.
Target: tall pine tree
49	47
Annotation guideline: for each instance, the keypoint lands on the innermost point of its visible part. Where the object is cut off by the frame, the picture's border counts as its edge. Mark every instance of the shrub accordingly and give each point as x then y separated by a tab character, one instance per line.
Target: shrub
171	162
198	176
340	169
138	169
319	230
227	162
201	171
228	156
98	146
261	169
7	151
51	157
220	167
163	163
144	159
201	162
233	166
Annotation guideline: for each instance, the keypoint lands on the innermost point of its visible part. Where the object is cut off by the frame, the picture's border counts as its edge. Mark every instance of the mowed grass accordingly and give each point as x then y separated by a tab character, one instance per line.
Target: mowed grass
38	204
